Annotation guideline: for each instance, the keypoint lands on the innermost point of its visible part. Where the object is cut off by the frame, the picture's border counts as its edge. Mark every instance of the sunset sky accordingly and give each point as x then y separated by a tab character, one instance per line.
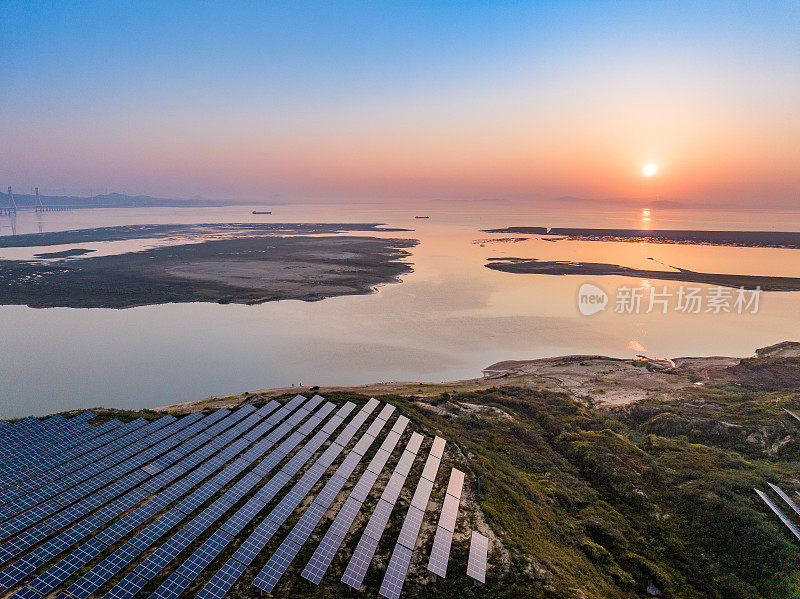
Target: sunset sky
392	101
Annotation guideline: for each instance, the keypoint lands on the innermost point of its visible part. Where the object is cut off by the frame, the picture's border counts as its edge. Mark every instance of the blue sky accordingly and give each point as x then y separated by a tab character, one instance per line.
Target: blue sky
368	99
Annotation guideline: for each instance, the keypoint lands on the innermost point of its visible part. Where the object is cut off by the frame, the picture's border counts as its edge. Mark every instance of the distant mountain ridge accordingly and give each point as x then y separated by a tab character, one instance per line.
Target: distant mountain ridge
651	202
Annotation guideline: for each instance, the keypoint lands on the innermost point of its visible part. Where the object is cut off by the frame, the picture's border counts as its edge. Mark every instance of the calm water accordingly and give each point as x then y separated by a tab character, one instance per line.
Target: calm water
447	320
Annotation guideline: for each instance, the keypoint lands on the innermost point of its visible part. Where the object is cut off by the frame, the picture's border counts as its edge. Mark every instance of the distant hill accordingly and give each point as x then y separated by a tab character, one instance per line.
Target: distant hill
617	202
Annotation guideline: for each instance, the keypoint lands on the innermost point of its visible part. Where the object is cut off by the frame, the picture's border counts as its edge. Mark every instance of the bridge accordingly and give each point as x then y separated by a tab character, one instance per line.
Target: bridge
11	207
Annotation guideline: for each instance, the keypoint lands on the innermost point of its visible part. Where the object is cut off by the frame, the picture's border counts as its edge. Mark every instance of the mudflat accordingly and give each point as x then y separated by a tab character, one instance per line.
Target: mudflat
249	270
771	239
558	267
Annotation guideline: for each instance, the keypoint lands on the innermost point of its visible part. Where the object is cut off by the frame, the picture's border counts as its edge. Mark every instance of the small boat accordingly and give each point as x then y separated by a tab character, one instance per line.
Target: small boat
260	212
422	217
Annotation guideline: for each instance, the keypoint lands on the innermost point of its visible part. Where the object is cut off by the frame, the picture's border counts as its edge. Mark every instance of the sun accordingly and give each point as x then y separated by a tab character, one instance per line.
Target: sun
650	169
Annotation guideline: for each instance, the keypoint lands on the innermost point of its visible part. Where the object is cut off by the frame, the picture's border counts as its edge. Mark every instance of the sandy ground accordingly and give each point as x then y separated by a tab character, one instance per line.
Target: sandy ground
294	278
606	381
384	388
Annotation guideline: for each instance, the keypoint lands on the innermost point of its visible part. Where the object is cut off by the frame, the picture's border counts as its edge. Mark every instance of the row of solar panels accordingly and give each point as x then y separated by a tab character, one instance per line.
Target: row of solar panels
89	490
793	528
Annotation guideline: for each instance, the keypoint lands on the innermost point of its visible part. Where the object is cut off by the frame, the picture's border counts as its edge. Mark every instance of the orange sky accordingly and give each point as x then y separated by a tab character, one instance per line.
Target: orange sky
370	102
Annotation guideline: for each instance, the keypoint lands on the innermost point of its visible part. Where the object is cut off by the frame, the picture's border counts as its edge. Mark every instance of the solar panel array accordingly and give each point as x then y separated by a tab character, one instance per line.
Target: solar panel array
396	572
440	552
323	556
365	550
269	575
114	508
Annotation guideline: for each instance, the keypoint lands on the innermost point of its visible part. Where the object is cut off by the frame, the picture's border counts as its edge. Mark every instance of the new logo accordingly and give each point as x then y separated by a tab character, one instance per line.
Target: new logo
591	299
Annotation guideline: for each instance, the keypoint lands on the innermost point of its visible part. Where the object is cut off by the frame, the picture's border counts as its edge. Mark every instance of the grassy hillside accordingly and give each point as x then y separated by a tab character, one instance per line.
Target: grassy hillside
651	499
657	496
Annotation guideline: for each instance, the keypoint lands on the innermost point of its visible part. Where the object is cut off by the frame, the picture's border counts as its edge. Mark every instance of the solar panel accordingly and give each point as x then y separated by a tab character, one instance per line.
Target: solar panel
456	483
266	529
276	565
103	572
239	489
411	526
364	442
205	470
153	468
253	545
431	468
795	531
364	485
422	494
381	457
27	593
122	527
393	436
72	513
93	481
392	489
198	497
171	493
440	552
322	558
437	449
23	541
234	449
275	484
359	563
16	572
75	533
166	477
478	550
222	581
396	572
230	472
208	516
789	501
127	587
171	588
54	576
350	462
157	529
196	442
344	519
379	519
293	466
307	523
414	443
386	412
162	556
405	462
243	516
449	512
330	490
199	560
268	408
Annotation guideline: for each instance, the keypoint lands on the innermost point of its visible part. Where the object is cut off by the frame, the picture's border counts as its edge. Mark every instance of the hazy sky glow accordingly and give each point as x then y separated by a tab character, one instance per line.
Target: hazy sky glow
374	100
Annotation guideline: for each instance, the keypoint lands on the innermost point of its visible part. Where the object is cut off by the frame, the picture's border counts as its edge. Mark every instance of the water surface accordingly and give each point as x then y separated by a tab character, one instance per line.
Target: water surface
447	320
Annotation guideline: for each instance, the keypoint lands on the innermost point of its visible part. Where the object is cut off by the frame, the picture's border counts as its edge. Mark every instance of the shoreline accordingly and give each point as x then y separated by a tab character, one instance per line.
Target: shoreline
623	381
